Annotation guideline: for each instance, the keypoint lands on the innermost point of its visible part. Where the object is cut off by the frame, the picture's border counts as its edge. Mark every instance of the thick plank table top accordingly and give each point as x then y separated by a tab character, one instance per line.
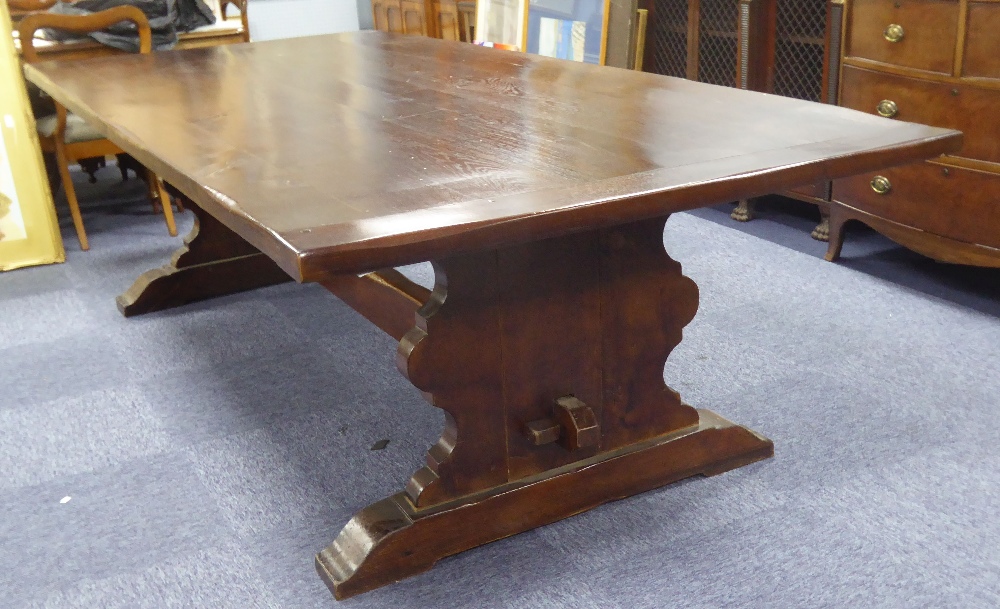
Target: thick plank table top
538	187
358	151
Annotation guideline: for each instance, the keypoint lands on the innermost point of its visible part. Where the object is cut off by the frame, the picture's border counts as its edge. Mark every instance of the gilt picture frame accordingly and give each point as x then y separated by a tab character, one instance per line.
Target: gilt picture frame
29	232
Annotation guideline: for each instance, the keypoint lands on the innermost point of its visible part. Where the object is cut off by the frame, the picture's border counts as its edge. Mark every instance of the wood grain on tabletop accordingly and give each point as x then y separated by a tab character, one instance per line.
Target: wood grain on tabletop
357	151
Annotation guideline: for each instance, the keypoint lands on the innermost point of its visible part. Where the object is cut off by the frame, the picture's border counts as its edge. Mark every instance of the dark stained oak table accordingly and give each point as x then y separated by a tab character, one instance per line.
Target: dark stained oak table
538	188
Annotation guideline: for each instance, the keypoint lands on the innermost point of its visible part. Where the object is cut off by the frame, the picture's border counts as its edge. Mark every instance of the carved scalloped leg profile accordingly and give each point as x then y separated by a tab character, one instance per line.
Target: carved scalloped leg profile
547	359
214	261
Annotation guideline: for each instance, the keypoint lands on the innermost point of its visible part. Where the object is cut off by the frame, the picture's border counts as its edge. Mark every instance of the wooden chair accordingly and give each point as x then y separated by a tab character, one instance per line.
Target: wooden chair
20	8
68	136
241	6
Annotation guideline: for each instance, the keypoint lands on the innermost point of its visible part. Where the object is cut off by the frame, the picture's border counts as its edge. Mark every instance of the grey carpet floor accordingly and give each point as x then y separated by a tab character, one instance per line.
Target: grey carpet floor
208	452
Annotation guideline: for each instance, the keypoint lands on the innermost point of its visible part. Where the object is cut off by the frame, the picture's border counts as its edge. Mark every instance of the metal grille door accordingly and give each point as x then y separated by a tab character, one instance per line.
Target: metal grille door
717	48
667	38
798	52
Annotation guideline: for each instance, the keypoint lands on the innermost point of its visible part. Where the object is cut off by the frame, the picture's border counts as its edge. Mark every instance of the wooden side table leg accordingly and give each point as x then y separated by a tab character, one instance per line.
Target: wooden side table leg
214	261
547	359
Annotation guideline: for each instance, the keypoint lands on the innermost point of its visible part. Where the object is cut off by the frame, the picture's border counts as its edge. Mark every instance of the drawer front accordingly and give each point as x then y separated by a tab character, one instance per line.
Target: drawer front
957	203
971	110
982	42
814	191
925	40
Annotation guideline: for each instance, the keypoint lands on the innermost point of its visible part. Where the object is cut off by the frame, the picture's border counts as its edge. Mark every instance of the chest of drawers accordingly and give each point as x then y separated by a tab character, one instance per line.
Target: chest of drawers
935	62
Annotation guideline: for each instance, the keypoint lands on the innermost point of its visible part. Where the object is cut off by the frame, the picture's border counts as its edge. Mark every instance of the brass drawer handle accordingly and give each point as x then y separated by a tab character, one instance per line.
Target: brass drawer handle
887	108
881	185
894	33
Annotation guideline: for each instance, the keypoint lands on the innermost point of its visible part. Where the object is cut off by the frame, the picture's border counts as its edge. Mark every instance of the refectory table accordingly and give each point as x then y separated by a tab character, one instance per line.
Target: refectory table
538	188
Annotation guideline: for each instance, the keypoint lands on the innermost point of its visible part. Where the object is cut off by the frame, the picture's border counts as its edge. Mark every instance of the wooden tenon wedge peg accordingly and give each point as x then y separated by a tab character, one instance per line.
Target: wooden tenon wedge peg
572	424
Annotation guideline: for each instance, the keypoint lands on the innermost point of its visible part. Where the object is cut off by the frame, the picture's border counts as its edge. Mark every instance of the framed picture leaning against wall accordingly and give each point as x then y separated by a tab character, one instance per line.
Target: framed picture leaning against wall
29	233
568	29
502	23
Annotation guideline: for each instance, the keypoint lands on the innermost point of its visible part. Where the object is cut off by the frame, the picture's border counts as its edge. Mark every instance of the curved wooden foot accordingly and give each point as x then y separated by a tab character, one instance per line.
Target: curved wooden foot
835	232
214	261
744	211
168	287
392	540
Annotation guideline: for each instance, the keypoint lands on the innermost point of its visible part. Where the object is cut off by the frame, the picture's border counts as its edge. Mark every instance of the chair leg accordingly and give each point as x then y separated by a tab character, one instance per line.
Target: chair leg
156	185
175	196
151	190
74	207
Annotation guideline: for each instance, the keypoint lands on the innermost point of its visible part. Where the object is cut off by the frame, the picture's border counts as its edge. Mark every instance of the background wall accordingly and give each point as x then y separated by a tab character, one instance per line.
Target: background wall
271	19
365	19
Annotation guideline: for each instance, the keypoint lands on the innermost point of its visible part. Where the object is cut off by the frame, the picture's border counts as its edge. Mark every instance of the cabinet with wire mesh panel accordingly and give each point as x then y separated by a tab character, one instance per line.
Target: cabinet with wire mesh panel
803	33
694	39
799	43
774	46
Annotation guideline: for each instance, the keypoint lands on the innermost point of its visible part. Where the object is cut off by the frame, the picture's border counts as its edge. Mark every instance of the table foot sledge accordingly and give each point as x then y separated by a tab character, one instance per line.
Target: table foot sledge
391	540
214	261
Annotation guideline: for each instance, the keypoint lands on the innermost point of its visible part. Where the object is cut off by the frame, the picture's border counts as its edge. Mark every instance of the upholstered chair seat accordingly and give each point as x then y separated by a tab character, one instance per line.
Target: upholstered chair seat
77	129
